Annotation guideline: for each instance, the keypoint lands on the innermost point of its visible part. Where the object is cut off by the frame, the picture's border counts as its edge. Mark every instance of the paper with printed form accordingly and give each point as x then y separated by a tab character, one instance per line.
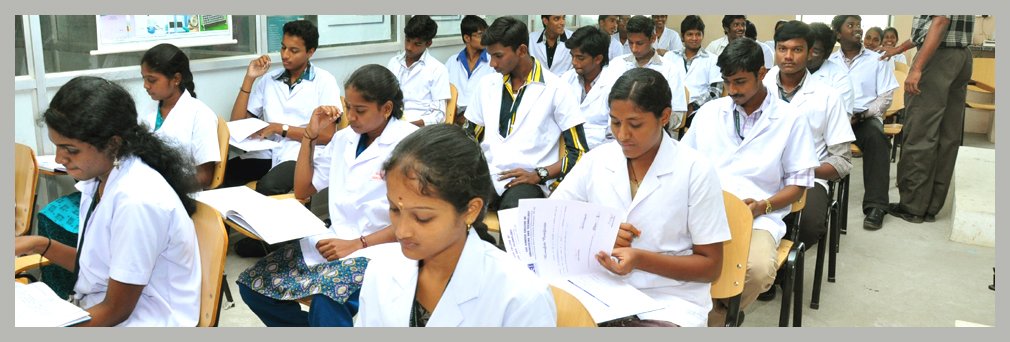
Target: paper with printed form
241	131
36	305
559	240
272	220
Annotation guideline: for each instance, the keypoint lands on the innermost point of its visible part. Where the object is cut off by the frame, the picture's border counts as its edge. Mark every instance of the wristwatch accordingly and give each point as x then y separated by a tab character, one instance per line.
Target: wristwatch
768	207
542	172
284	131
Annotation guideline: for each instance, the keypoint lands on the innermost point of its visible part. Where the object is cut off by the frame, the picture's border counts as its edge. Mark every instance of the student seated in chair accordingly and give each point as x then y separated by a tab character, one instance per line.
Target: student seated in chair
526	110
351	167
762	149
137	261
179	116
822	107
670	247
590	81
471	64
423	79
284	97
449	274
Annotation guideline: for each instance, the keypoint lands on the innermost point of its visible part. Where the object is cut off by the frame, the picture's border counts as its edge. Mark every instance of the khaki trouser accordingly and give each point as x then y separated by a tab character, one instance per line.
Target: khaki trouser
761	271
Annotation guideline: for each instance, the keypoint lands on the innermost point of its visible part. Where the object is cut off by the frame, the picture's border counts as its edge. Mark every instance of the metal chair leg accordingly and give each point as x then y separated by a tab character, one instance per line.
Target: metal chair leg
815	296
798	286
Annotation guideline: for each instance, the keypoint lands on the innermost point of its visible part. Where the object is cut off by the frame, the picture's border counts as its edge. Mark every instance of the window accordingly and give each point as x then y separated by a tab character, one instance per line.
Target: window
337	30
20	56
67	42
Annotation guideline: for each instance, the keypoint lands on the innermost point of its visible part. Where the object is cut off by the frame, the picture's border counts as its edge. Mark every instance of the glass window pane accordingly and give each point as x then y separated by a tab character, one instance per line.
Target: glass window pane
20	56
69	39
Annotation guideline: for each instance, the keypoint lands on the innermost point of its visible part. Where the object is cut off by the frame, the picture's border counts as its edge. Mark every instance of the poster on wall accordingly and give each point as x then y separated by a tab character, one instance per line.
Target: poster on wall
125	33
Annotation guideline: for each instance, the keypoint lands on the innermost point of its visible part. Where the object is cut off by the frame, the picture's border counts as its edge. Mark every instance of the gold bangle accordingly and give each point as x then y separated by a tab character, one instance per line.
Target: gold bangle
768	207
243	90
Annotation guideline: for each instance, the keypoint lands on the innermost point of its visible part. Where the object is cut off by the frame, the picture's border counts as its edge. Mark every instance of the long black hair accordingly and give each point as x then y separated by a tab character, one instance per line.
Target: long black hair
447	164
94	110
167	59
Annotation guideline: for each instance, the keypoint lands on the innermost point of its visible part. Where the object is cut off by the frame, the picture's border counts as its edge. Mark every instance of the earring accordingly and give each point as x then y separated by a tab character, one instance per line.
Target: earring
115	163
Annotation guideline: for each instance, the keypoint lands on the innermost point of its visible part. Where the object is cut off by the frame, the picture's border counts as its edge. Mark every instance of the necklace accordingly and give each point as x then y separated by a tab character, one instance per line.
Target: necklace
634	178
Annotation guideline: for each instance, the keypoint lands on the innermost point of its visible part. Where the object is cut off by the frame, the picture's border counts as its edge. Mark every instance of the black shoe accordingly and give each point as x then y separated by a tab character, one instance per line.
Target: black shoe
767	296
874	219
896	210
251	248
929	218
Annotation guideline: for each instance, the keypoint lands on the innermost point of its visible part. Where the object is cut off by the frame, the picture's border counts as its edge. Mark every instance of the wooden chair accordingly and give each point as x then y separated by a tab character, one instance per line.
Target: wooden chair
571	312
26	176
893	130
213	241
730	283
222	141
450	108
681	126
838	210
790	264
899	66
983	80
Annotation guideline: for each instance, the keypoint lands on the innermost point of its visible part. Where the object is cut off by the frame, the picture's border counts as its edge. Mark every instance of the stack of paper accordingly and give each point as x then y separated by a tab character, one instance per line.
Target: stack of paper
272	220
48	163
241	135
36	305
559	240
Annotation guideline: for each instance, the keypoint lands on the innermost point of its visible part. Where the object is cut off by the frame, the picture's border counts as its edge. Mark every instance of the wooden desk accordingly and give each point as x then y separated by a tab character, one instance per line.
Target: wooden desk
27	262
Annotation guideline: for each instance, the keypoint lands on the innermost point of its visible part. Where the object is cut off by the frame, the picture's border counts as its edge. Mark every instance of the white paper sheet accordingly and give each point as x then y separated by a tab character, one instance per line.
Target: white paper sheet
273	220
48	163
241	129
559	240
36	305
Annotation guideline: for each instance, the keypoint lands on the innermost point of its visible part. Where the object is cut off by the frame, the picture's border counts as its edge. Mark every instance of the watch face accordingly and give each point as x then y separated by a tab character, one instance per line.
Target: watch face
542	172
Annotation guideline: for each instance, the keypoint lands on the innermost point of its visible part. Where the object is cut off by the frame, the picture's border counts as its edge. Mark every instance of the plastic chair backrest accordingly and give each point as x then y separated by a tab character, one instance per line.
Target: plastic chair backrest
222	141
571	312
213	241
735	251
26	176
450	108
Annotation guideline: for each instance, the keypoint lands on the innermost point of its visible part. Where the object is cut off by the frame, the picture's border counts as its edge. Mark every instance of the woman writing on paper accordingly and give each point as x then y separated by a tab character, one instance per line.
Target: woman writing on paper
452	274
137	261
179	117
350	166
670	247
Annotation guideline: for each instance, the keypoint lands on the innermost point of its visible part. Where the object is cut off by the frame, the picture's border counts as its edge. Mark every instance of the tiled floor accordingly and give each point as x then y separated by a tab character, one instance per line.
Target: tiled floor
902	275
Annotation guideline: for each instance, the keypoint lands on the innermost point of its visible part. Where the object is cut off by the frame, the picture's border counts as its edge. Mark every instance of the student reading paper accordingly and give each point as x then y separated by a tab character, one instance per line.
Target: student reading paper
671	245
452	275
137	259
350	165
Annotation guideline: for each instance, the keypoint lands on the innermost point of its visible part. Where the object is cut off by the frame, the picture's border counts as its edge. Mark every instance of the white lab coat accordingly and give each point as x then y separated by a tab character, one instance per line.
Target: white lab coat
271	101
679	204
547	109
562	58
465	84
191	126
716	46
140	234
702	73
488	289
835	75
594	107
670	40
425	86
779	143
616	48
357	201
870	77
820	103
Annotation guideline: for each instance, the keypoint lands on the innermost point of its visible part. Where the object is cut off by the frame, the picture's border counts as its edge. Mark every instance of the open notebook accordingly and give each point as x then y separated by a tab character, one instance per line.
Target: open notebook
36	305
559	240
272	220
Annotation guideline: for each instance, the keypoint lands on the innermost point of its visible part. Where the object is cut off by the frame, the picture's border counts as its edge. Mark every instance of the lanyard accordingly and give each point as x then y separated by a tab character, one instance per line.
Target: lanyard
736	119
80	245
505	131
